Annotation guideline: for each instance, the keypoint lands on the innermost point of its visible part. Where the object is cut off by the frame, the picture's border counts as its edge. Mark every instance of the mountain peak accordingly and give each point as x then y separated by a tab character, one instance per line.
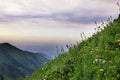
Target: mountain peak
14	60
8	46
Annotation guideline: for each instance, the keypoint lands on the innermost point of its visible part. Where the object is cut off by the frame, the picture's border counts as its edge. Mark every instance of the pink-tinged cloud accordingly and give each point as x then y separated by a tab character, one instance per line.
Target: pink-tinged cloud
42	21
60	10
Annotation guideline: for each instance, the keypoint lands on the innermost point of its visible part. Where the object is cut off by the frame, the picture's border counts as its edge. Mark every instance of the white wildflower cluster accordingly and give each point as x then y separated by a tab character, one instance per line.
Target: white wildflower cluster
102	61
45	78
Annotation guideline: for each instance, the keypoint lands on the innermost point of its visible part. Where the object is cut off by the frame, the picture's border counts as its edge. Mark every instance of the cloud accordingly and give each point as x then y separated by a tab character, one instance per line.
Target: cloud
42	30
76	11
40	21
37	6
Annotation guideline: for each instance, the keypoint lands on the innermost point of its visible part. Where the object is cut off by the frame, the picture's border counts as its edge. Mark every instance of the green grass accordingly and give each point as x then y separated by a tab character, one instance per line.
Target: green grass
97	58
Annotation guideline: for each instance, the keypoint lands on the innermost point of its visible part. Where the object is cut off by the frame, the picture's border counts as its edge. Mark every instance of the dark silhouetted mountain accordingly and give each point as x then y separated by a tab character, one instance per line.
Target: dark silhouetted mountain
15	63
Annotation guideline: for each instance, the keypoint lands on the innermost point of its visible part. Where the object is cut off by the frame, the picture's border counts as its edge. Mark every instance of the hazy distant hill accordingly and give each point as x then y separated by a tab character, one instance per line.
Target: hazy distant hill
15	63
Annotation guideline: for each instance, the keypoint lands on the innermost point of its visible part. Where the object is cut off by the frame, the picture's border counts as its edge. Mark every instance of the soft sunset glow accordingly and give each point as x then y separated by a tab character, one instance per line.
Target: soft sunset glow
48	21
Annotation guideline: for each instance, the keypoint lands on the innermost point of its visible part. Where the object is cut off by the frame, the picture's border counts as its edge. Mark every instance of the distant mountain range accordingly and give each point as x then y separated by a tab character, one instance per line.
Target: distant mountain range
16	63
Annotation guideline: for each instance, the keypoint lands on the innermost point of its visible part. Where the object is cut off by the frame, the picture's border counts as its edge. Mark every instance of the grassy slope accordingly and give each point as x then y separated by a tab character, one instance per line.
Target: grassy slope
97	58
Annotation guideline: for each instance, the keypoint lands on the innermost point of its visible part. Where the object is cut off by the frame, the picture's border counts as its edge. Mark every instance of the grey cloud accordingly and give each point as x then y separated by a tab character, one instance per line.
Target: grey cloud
87	12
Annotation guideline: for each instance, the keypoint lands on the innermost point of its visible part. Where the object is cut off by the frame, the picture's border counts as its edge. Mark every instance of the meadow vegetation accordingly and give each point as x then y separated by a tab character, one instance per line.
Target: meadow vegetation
95	58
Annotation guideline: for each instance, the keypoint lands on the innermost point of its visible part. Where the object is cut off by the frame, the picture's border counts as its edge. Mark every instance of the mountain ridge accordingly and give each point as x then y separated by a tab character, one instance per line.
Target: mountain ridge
16	63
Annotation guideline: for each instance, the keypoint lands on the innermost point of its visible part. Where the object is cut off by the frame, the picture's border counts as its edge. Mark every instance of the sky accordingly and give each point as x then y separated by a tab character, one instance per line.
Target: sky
31	23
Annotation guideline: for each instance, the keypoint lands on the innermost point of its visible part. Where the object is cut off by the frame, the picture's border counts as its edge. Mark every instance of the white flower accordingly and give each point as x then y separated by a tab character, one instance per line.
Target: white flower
103	61
100	60
95	61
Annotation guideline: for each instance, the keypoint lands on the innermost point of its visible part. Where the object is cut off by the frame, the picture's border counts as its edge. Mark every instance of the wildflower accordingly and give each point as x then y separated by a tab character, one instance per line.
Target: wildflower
110	61
67	46
97	56
45	78
118	41
101	70
118	75
104	74
106	46
103	61
100	60
97	49
95	61
119	44
118	5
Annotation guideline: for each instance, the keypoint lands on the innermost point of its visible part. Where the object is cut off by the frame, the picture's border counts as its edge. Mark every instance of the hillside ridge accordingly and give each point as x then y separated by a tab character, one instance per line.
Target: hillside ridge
97	58
16	63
